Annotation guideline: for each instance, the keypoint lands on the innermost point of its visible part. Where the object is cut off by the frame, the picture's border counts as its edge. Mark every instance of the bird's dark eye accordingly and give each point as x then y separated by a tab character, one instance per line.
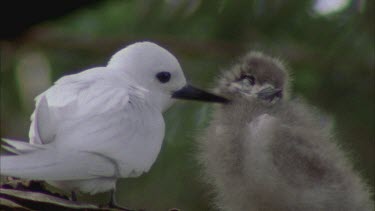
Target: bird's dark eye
163	77
248	77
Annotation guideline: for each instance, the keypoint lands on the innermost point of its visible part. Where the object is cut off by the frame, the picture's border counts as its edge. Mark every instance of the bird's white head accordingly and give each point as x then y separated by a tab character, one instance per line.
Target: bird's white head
156	70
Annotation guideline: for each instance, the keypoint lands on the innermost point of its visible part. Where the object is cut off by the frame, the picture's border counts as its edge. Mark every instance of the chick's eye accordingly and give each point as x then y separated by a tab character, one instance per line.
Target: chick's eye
249	78
163	77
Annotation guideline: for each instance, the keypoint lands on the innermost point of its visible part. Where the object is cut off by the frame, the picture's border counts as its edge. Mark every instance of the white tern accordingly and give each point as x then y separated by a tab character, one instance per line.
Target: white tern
105	123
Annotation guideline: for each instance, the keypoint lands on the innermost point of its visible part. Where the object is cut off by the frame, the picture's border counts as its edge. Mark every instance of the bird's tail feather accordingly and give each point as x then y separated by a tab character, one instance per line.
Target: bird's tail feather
19	147
52	164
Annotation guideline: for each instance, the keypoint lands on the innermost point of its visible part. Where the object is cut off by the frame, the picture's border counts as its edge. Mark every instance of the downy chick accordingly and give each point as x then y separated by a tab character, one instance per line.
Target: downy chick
264	151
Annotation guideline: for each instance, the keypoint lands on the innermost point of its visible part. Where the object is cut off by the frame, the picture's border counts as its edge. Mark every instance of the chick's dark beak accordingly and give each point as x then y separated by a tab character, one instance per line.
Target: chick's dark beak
270	93
191	93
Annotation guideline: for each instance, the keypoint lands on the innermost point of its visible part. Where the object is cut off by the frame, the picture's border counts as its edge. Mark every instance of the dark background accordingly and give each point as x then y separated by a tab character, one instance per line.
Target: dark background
329	51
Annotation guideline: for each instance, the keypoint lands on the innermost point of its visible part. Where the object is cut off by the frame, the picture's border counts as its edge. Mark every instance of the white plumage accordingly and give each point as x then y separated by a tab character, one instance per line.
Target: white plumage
104	123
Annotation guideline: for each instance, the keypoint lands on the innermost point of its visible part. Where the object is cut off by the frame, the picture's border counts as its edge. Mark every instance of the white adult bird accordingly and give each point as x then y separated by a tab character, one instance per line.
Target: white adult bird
105	123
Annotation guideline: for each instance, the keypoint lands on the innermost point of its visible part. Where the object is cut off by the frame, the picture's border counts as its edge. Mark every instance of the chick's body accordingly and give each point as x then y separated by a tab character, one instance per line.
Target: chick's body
274	153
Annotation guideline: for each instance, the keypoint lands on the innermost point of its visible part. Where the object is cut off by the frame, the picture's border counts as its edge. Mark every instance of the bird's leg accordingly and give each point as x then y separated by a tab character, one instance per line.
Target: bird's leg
73	196
113	203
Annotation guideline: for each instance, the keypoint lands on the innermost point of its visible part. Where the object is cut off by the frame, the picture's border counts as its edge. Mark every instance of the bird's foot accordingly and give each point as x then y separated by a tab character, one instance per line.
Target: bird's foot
73	196
113	203
118	207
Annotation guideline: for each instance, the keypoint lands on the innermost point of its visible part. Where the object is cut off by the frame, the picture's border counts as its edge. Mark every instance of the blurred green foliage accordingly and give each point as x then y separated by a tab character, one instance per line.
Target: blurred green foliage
331	58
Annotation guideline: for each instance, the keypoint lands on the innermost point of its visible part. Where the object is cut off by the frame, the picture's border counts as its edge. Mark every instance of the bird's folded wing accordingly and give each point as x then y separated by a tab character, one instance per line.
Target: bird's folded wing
99	114
76	97
293	151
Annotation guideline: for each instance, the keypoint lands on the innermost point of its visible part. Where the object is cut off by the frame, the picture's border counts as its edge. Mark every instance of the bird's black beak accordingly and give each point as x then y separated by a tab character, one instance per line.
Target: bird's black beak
191	93
270	93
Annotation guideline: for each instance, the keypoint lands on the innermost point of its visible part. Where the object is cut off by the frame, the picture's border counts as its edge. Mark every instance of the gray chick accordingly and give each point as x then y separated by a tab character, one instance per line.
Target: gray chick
264	151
